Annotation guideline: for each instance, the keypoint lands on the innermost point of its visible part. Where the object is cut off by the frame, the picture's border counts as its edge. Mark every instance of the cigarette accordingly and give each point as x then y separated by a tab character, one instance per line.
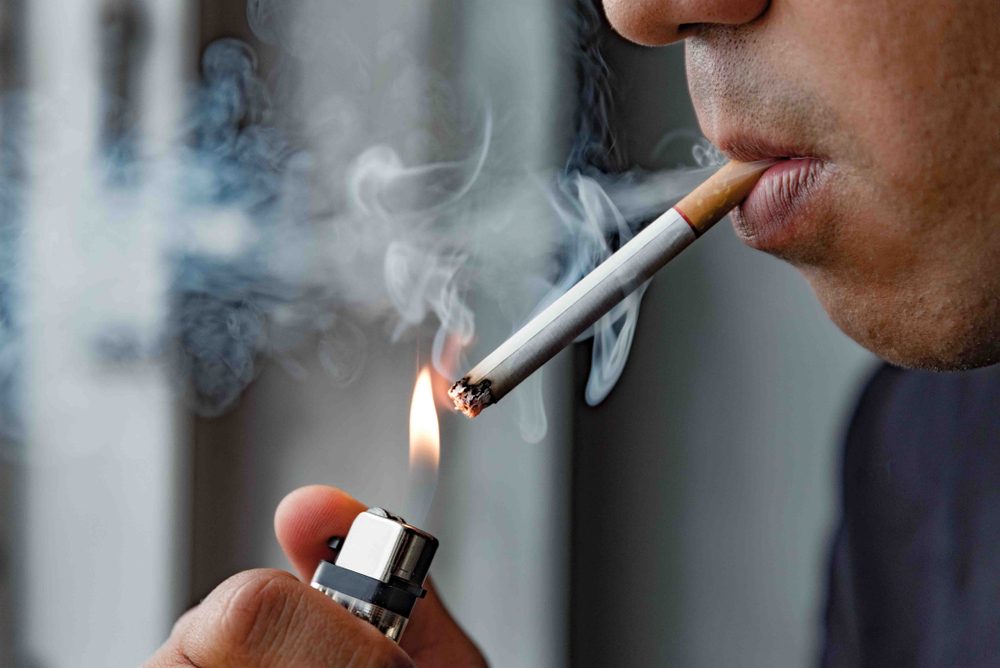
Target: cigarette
597	293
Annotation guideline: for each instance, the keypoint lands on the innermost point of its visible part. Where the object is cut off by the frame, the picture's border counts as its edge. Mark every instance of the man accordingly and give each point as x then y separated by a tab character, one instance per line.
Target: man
886	116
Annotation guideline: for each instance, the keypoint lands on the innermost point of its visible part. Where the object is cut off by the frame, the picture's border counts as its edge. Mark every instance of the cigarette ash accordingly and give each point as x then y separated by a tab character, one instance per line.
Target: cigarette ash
470	400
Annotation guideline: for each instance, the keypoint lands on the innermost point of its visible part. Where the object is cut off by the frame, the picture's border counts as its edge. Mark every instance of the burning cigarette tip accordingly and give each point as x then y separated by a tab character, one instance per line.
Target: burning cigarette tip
471	399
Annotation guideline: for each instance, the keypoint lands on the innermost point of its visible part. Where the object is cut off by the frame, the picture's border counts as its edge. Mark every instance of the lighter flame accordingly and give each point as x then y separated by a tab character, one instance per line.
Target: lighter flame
425	435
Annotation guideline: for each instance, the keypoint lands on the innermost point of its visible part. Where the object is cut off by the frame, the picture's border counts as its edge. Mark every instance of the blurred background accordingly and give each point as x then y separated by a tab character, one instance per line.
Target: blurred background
683	522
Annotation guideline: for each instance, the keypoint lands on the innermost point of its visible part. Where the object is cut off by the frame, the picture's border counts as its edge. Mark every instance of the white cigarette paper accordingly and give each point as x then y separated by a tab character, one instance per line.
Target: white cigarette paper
633	264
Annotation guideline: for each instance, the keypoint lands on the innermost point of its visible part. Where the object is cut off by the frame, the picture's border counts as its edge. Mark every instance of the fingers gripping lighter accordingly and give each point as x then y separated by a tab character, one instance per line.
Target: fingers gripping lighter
379	570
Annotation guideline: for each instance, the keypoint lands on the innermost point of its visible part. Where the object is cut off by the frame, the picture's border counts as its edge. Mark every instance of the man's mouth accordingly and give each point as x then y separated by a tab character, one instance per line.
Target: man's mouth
771	217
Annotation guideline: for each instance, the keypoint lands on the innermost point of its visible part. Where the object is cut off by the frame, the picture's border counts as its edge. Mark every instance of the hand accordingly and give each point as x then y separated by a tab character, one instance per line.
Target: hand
268	618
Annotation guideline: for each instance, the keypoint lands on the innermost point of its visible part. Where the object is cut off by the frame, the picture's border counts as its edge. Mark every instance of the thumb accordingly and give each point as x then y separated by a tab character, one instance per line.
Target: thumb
308	517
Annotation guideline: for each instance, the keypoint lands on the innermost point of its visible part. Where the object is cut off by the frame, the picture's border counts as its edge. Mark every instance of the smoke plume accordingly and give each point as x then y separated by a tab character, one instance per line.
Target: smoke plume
289	234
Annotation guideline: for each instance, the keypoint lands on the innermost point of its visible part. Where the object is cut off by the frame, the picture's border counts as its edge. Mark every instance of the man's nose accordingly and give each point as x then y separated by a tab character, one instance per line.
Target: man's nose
657	22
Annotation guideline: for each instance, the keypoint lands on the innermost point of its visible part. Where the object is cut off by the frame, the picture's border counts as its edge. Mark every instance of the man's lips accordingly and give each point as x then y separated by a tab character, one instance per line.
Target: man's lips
767	217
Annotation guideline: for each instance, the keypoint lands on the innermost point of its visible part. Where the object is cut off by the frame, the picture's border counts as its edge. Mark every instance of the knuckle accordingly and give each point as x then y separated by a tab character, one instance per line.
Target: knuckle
267	617
183	623
254	609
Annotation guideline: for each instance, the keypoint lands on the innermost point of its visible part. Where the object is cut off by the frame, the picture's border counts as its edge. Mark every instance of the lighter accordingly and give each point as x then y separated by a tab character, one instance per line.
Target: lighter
379	571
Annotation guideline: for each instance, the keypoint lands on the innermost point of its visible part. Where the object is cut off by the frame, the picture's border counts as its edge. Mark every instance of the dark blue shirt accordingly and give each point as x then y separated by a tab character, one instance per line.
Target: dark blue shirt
915	566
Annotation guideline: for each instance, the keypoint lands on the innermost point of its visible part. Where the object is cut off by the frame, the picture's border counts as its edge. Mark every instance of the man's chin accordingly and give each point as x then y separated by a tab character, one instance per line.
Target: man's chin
915	331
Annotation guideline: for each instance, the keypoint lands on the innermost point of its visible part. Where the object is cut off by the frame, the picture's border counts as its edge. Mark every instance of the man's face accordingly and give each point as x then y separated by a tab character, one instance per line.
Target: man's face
897	223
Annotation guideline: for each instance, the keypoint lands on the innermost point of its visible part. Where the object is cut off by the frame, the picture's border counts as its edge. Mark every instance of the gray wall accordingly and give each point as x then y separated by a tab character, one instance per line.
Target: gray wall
705	486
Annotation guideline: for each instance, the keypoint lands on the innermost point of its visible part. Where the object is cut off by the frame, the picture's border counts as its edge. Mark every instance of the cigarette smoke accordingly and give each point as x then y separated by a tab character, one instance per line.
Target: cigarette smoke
601	205
296	226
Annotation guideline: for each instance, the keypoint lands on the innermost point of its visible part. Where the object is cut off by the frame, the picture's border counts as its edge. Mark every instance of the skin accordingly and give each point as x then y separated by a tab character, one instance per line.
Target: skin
901	102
